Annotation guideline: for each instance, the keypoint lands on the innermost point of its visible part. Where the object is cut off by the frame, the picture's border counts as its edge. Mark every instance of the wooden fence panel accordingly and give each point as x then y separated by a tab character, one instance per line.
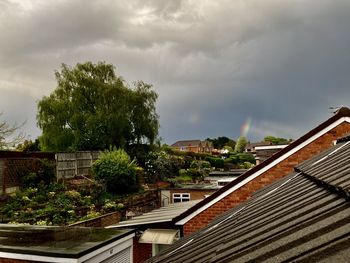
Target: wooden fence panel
70	165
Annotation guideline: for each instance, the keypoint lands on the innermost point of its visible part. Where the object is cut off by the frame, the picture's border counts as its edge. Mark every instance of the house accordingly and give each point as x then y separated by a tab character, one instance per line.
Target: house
250	147
186	192
196	146
262	153
156	230
263	150
221	178
24	244
302	217
277	166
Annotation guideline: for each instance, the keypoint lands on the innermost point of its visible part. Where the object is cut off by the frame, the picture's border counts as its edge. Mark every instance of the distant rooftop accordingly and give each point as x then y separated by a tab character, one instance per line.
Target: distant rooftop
186	143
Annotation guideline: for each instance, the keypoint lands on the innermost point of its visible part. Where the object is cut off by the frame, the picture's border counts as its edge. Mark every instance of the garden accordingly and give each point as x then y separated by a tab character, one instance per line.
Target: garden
115	177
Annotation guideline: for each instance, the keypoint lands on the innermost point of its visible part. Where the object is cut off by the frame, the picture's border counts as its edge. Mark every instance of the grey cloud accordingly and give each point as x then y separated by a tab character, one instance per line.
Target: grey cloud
213	63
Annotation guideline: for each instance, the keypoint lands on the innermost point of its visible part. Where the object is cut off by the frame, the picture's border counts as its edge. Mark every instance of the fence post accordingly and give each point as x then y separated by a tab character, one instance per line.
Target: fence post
76	163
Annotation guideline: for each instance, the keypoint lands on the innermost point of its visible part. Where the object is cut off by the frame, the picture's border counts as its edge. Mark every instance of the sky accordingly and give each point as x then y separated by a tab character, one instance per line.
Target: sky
217	66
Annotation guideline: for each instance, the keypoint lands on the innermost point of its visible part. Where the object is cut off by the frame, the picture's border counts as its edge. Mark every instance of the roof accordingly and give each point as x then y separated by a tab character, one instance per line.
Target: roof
256	144
234	172
343	115
186	143
271	147
303	217
192	186
61	242
207	143
160	215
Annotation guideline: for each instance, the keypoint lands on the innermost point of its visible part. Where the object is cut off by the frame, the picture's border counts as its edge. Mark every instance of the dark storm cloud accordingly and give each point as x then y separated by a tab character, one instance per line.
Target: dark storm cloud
213	63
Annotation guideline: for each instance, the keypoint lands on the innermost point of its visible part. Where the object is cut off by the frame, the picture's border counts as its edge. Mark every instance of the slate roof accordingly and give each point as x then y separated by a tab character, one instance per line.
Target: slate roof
342	113
304	217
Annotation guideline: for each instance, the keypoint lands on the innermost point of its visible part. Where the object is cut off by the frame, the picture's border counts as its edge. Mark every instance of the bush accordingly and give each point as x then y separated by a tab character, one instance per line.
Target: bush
117	170
246	157
196	174
160	166
215	162
246	165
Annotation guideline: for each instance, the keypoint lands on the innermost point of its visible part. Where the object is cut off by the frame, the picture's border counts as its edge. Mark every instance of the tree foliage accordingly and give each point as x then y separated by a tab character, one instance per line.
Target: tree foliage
8	136
161	165
29	146
92	109
241	144
222	141
117	170
276	140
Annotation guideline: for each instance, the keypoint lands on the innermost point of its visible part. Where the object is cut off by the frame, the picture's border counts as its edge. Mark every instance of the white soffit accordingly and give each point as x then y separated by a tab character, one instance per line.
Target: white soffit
159	236
264	169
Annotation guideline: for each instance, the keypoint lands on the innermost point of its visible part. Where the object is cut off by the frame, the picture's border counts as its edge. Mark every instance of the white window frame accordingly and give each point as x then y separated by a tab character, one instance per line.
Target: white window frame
181	197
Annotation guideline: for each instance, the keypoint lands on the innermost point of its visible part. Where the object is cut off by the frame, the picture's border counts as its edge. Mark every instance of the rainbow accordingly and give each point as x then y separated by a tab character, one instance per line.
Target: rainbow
246	127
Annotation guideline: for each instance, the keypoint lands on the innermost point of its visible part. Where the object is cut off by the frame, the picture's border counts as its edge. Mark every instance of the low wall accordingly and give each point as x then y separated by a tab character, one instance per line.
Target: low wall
101	221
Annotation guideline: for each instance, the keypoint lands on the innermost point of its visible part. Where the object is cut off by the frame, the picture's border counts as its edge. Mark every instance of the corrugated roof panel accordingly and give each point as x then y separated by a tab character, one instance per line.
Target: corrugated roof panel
163	214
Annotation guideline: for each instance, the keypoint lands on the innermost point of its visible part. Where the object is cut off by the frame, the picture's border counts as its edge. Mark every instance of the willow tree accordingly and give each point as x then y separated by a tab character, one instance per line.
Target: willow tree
93	109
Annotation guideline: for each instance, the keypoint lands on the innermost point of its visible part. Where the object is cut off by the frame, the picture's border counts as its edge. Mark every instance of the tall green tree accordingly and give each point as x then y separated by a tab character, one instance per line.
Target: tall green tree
144	117
241	144
93	109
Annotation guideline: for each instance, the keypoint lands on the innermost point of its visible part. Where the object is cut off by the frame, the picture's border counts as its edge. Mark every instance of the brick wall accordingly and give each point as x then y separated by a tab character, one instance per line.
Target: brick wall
280	170
141	251
101	221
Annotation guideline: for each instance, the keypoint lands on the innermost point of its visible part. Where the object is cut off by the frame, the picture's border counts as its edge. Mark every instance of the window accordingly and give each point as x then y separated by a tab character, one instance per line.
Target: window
181	197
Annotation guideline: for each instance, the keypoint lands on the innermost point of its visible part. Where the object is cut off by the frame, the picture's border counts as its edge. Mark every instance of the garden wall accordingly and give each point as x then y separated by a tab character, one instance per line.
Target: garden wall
101	221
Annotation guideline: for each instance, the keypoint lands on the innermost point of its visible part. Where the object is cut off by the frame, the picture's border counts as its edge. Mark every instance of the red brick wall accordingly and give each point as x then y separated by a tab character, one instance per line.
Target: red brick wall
141	251
280	170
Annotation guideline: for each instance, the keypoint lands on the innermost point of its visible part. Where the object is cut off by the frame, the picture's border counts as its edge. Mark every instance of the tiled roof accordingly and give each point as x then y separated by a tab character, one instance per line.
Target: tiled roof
187	143
304	217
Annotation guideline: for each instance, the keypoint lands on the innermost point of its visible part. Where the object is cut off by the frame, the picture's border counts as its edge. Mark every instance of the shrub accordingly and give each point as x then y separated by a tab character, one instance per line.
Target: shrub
246	157
160	165
196	174
215	162
246	165
117	170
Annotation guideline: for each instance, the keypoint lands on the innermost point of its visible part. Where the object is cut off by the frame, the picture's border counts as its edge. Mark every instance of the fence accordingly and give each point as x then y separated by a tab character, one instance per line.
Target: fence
69	165
15	164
